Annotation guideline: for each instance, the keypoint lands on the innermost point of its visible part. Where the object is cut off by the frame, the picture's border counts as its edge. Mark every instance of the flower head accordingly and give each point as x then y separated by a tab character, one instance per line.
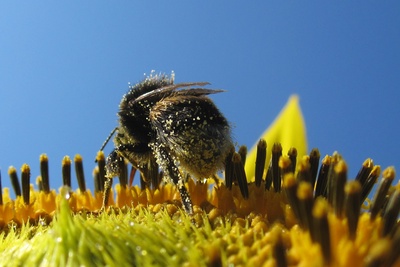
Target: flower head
291	209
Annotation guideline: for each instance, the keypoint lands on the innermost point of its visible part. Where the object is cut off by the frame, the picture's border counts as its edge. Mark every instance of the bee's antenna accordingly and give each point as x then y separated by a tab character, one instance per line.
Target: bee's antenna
108	139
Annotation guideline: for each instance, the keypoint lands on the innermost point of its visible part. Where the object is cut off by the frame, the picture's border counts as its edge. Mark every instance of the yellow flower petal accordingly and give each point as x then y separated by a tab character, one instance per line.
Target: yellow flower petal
288	129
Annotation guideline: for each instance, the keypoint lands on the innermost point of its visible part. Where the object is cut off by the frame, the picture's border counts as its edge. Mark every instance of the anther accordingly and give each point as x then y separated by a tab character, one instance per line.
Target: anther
229	168
292	153
12	172
276	173
101	163
320	231
380	195
260	161
339	179
391	212
25	182
243	154
290	186
352	206
240	175
314	163
1	191
365	170
369	183
44	172
80	176
66	171
303	170
306	201
320	188
285	165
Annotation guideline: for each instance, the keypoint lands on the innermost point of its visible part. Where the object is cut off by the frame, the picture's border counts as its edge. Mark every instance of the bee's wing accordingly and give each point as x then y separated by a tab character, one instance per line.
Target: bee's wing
165	91
197	92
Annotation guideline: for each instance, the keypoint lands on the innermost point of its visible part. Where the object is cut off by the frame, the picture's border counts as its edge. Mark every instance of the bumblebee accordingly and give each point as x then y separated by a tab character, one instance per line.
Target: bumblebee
174	126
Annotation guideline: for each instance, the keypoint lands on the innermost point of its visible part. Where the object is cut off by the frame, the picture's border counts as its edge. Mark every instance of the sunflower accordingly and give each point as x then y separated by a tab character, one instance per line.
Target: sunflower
276	206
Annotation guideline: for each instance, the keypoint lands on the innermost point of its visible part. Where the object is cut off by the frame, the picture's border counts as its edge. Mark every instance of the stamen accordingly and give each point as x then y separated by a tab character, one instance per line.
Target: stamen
12	172
132	176
150	177
260	161
290	188
44	172
330	186
1	191
276	172
143	182
320	231
123	174
39	183
243	154
292	153
365	171
370	182
306	201
303	170
101	163
66	171
391	212
320	188
268	177
394	250
379	254
352	206
240	175
229	168
80	176
339	179
154	174
285	165
96	180
380	195
314	163
25	182
279	250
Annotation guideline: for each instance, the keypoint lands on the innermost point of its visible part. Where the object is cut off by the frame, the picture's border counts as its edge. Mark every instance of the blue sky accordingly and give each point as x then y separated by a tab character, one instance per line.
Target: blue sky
64	68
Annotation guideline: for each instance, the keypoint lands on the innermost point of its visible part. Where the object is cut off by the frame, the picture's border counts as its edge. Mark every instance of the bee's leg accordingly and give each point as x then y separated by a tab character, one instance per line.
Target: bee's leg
186	200
168	165
112	169
107	189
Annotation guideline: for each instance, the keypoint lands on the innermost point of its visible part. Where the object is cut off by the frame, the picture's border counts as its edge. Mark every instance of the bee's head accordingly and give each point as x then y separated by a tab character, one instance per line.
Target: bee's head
149	84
